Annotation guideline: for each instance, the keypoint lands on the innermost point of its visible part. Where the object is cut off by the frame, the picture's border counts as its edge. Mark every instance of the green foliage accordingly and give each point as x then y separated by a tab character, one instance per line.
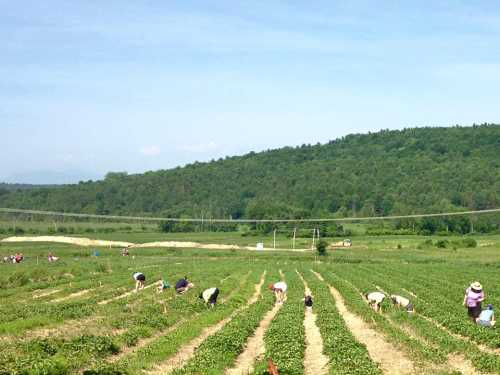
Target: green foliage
321	247
469	242
353	358
389	172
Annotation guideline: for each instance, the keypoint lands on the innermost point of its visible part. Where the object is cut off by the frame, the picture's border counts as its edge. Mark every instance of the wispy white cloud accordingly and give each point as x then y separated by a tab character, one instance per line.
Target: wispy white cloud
152	150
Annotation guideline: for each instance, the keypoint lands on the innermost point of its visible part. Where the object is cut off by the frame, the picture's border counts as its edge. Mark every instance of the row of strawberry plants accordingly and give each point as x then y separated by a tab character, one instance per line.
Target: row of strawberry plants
347	356
144	320
483	361
36	314
166	346
221	350
285	338
419	352
449	311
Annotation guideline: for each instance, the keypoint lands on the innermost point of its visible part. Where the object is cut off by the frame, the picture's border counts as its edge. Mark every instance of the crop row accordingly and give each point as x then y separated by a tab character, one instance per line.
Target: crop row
285	338
167	345
447	343
353	357
418	351
141	321
220	350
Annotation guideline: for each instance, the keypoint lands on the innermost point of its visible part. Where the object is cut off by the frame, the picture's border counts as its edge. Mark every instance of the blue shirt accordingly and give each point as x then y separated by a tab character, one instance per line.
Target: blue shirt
486	315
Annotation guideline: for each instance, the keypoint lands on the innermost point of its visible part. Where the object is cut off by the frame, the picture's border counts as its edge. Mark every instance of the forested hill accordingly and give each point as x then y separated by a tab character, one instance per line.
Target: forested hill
389	172
5	187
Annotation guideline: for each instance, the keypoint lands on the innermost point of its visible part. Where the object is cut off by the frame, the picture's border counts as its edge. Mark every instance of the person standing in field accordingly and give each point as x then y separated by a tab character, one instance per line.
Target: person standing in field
487	317
280	288
140	280
402	302
210	295
183	285
375	300
473	298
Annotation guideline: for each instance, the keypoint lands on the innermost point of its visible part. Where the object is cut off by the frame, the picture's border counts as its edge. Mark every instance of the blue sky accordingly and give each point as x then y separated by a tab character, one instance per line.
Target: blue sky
88	87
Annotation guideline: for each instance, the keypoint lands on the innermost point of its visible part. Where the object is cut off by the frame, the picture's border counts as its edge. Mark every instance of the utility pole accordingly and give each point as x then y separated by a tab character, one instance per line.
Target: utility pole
274	246
314	237
294	236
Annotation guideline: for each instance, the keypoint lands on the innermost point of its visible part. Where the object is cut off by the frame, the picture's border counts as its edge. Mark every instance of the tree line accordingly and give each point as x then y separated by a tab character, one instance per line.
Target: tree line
397	172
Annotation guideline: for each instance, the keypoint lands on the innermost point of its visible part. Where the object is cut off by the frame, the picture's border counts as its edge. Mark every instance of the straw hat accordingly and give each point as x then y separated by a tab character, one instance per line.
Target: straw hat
476	285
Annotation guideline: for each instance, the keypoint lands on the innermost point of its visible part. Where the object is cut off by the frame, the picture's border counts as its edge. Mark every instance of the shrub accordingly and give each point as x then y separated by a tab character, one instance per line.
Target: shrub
469	242
18	231
442	244
321	247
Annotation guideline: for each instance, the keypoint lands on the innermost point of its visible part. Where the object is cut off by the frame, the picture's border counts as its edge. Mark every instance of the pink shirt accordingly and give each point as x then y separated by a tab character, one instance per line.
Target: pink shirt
473	298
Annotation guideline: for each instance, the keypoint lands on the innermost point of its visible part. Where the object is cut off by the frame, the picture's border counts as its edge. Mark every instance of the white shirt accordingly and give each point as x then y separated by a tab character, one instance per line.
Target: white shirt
377	297
401	301
281	285
207	294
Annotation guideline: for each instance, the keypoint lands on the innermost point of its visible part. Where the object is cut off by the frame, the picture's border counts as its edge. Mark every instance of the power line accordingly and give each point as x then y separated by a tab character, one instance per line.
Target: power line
205	220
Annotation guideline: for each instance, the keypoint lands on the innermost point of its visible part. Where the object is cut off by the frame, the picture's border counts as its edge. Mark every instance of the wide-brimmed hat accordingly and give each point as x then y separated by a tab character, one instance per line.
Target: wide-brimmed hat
476	285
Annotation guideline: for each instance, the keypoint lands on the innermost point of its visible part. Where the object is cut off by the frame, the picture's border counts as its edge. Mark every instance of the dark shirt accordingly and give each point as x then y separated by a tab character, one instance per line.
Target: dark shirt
308	301
182	283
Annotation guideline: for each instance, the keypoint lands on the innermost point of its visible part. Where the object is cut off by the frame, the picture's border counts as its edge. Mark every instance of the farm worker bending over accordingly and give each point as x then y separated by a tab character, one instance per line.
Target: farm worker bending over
375	299
19	258
183	285
279	290
140	280
487	317
52	258
210	296
162	285
403	302
474	295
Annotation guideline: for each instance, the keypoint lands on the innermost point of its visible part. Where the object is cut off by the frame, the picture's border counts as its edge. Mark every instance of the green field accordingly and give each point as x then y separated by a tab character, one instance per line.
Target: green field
76	315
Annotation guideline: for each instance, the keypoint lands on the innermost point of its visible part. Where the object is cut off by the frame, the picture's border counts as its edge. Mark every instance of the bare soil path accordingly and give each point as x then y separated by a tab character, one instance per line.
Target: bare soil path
124	295
392	361
46	294
255	347
72	295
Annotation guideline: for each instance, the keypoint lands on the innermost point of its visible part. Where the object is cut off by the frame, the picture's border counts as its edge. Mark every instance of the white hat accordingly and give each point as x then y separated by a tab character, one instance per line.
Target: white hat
476	285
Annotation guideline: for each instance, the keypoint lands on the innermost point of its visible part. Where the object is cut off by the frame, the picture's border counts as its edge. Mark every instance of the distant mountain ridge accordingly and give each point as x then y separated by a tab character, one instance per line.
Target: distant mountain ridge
406	171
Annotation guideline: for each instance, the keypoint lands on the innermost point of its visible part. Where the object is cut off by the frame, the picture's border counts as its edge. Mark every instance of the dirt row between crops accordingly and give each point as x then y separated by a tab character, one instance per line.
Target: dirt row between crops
391	360
188	351
255	347
82	241
315	362
124	295
72	295
46	294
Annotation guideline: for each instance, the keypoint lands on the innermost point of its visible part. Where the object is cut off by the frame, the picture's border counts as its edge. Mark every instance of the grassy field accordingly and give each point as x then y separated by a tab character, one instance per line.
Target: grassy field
78	316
